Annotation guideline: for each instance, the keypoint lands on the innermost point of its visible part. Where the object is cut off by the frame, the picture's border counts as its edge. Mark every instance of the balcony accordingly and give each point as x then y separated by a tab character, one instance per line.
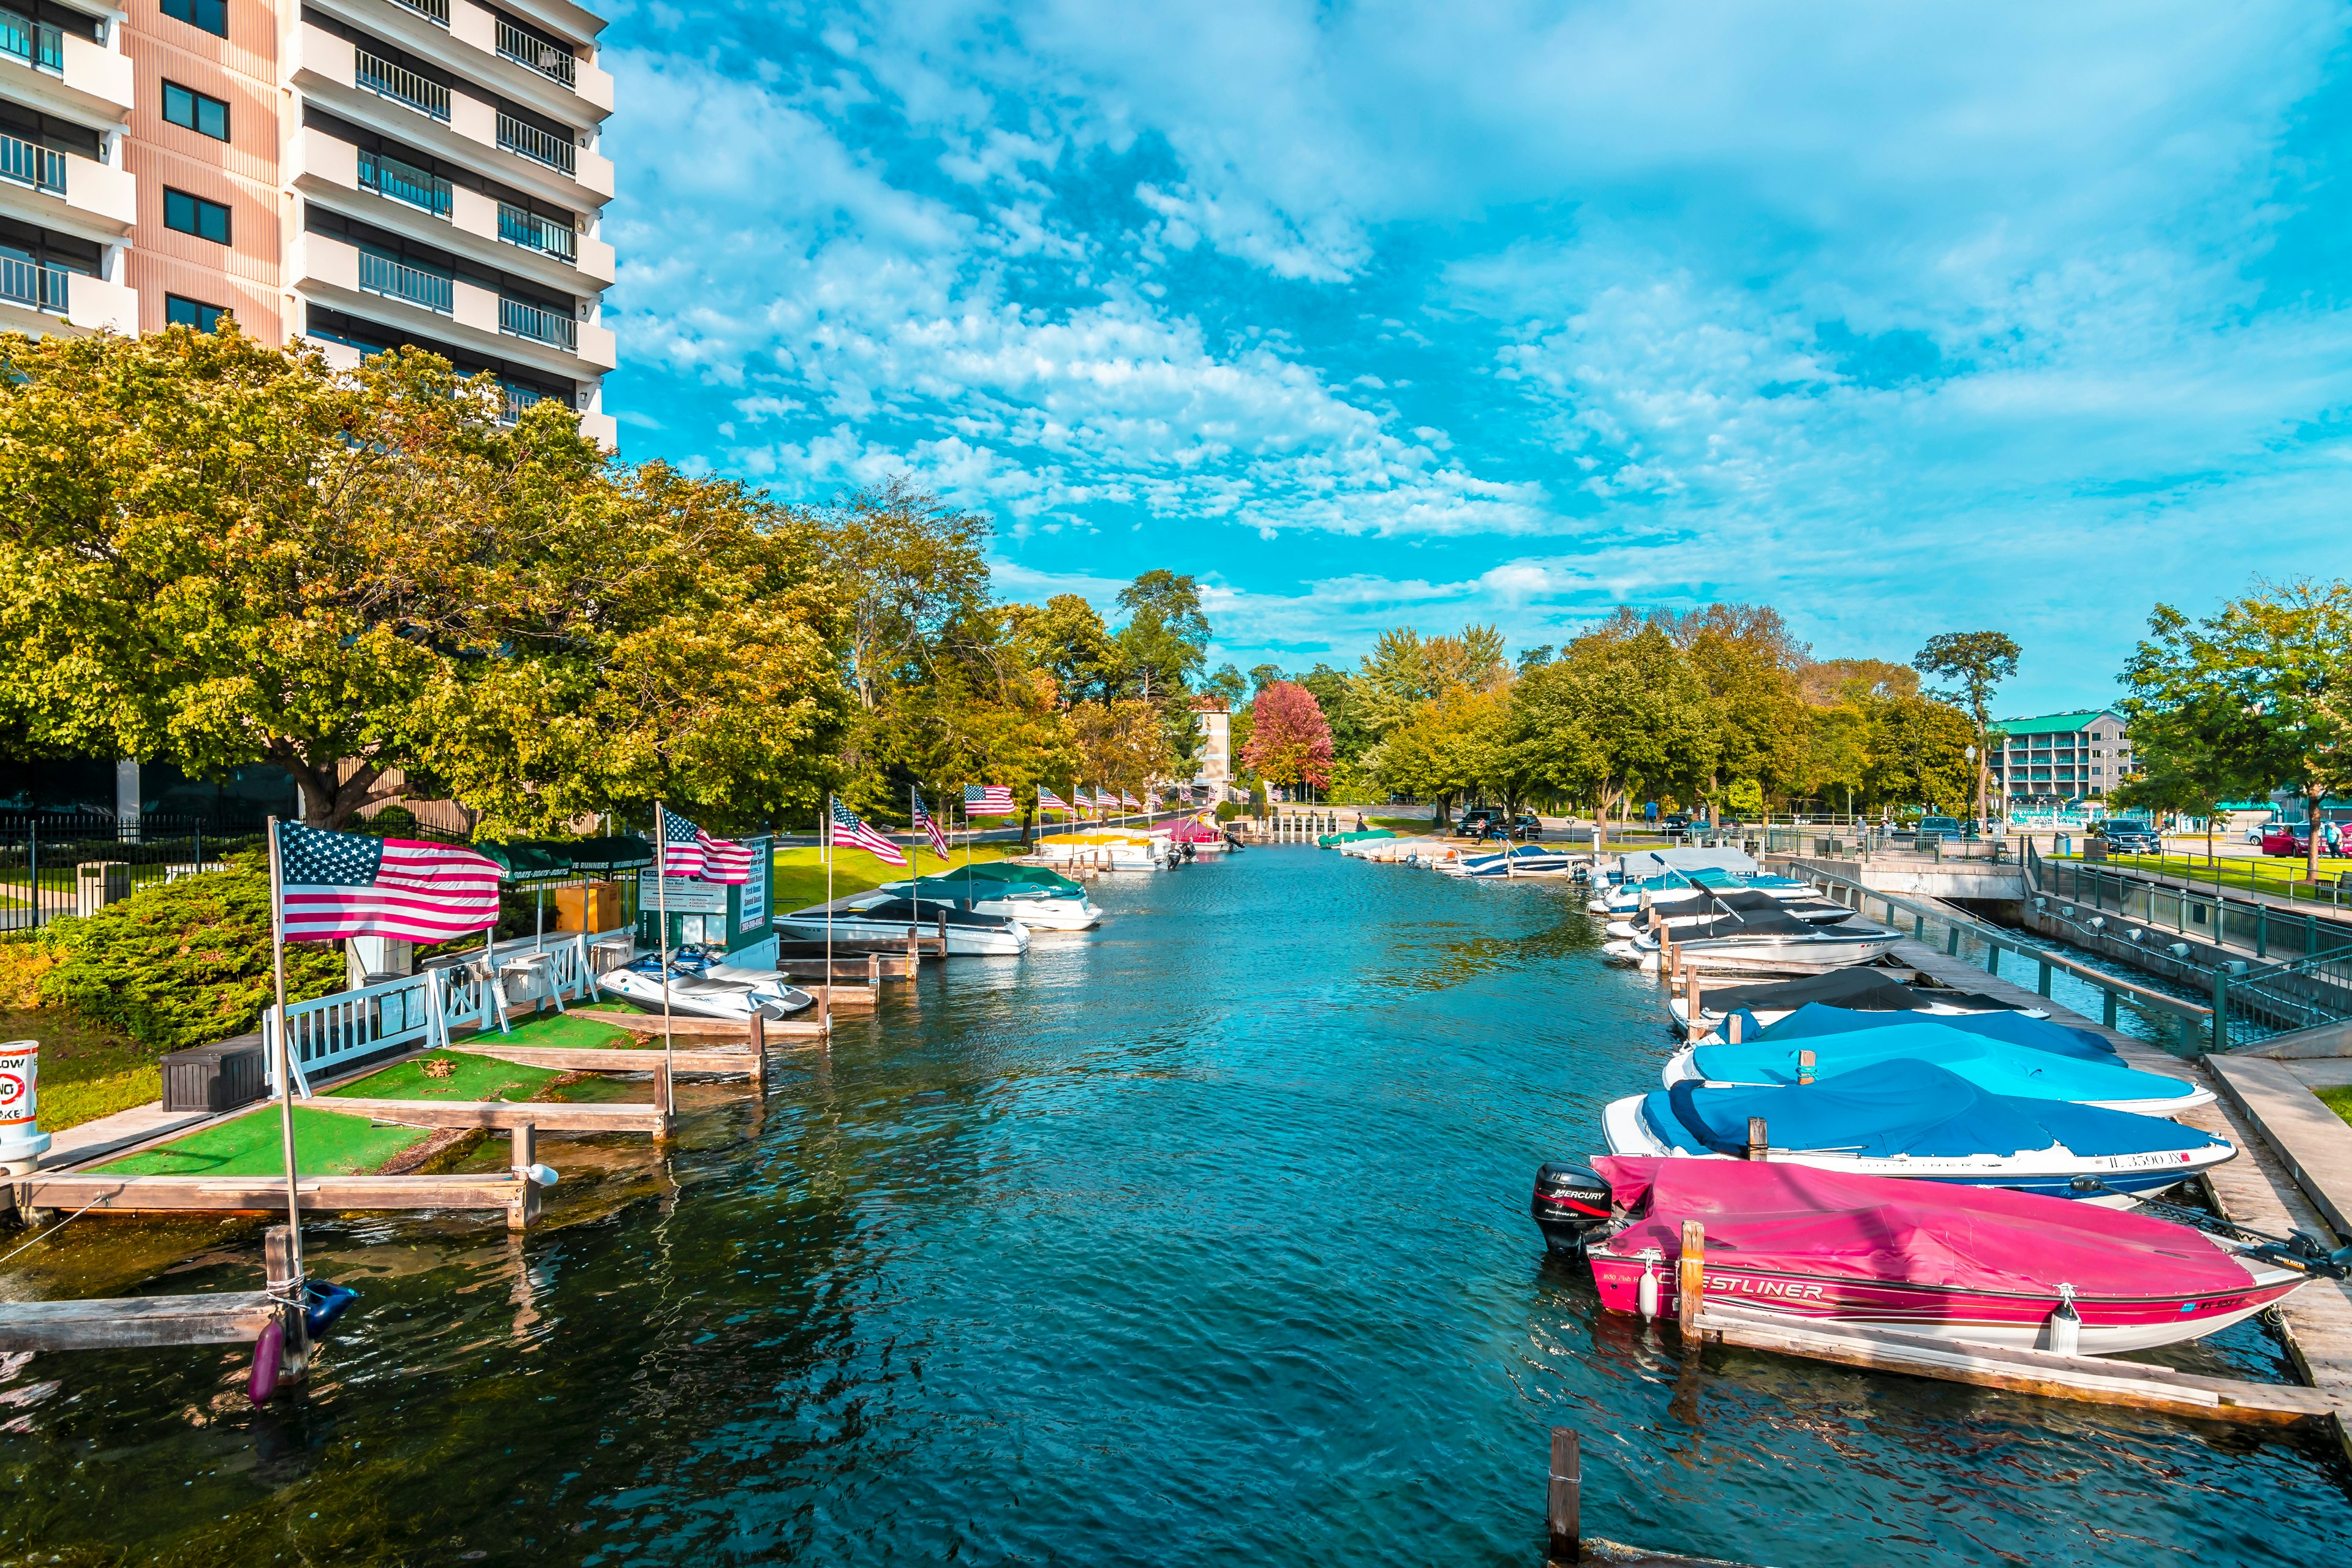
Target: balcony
532	232
34	285
539	146
401	85
398	280
404	182
556	329
555	64
37	44
434	11
29	163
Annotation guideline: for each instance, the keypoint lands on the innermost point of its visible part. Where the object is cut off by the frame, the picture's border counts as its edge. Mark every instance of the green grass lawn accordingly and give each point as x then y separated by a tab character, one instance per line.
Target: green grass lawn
799	872
2279	875
2338	1099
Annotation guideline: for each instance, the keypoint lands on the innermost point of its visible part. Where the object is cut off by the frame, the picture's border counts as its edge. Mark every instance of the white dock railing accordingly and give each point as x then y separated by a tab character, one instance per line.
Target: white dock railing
417	1010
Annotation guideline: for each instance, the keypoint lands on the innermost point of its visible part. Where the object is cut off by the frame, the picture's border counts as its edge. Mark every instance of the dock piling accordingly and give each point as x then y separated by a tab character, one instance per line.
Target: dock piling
282	1273
522	1157
759	1031
667	1128
1758	1141
1563	1502
1690	1282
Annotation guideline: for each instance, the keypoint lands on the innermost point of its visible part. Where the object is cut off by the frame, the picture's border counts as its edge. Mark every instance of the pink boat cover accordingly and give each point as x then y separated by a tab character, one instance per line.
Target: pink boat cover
1191	832
1796	1219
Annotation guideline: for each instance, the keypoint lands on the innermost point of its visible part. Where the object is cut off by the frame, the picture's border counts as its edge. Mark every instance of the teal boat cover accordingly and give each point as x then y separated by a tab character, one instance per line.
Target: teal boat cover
1816	1020
1995	1065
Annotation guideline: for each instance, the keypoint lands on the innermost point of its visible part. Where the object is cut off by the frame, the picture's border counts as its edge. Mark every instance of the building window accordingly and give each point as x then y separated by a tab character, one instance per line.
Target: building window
204	116
211	15
185	313
194	215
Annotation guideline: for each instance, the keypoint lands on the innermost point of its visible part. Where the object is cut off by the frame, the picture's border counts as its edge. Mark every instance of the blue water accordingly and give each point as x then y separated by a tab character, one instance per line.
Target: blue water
1199	1240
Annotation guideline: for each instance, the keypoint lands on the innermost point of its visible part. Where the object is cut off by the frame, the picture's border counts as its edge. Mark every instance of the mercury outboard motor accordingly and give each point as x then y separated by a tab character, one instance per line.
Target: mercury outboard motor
1571	1203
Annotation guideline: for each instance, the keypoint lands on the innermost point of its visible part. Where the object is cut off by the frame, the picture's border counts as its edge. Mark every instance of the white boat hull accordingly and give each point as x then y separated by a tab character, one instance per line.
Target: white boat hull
722	990
962	941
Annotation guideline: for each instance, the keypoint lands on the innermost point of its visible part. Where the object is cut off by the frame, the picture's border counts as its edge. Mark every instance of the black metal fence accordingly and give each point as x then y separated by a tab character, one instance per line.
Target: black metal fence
72	864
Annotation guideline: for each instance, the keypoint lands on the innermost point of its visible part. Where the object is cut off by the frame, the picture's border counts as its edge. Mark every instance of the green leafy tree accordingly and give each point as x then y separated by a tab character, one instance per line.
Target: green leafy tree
1335	694
1974	664
1749	662
1262	675
914	567
1165	638
1918	753
1622	713
1066	637
2265	682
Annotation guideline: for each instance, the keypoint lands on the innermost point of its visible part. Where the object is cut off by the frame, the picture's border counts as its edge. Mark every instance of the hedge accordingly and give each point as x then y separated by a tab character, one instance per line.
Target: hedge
182	964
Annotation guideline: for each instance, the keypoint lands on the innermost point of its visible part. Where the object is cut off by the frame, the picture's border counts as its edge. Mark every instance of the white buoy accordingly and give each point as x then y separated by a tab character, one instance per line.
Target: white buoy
1646	1295
2065	1325
22	1142
543	1175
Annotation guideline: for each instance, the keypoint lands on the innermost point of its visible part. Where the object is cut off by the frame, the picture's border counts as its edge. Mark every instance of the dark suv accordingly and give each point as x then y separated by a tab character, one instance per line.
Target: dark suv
1526	826
1932	828
2125	836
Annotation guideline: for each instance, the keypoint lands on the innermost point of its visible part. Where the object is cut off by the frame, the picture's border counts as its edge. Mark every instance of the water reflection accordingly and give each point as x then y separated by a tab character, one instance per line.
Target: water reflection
1203	1240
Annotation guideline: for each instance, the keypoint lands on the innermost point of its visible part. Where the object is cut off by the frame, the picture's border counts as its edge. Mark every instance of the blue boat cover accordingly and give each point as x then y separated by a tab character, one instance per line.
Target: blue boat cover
1903	1107
1815	1019
1993	1065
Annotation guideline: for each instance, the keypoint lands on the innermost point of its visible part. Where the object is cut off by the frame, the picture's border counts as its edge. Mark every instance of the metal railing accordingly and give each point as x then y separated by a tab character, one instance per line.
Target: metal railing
400	84
43	168
398	280
539	146
56	864
404	181
518	226
2211	915
420	1010
434	11
34	283
555	328
38	44
2325	893
518	398
549	61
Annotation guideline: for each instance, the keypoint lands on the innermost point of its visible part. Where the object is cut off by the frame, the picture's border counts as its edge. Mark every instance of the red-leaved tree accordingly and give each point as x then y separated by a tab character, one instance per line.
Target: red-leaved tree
1291	740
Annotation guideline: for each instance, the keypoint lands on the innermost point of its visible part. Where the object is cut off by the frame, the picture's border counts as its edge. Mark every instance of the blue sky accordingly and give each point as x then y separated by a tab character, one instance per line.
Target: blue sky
1903	320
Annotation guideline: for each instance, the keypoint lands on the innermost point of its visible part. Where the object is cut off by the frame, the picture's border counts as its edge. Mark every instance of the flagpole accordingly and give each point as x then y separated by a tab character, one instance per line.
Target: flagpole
285	1054
914	849
824	842
661	916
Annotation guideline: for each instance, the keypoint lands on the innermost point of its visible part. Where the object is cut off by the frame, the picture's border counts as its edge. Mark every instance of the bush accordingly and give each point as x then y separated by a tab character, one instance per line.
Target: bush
181	963
1227	811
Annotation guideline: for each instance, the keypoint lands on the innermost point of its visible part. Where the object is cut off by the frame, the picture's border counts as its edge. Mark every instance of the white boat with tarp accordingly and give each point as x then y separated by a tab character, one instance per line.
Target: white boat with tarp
1038	897
883	919
703	987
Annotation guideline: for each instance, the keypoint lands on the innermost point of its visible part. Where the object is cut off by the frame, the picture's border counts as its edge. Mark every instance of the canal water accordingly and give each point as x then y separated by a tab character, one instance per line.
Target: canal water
1202	1239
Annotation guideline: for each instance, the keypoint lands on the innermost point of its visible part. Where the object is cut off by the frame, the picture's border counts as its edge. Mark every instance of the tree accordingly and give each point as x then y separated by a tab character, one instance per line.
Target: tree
1066	637
1228	684
1749	662
1918	753
2265	682
1620	711
1121	744
218	553
1534	657
1335	694
1165	638
1291	740
1404	671
1974	663
914	567
1262	675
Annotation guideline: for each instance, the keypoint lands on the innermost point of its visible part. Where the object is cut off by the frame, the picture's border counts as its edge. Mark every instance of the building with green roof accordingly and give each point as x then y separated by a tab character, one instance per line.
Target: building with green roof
2062	756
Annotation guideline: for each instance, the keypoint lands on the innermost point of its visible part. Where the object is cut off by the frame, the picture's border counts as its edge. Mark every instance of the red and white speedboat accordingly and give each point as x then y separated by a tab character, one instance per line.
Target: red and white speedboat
1977	1265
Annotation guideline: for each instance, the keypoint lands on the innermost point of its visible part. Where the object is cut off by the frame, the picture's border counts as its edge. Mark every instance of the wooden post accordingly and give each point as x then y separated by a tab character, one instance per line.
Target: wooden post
1805	1067
873	973
914	955
825	1008
522	1157
1691	989
667	1124
1563	1502
760	1047
283	1271
1690	1283
1731	1028
1760	1145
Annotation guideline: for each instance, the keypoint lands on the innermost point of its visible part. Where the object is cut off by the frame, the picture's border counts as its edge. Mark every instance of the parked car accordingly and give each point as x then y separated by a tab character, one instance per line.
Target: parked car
1526	826
1479	822
2254	834
2128	836
1933	828
2286	839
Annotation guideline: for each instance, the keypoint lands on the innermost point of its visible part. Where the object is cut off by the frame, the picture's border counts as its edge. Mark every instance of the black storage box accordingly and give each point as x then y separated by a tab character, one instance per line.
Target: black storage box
218	1077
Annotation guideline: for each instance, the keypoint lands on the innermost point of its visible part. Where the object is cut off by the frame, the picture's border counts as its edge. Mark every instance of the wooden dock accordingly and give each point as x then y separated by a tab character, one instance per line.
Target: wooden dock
706	1061
2256	1189
499	1115
71	1191
222	1318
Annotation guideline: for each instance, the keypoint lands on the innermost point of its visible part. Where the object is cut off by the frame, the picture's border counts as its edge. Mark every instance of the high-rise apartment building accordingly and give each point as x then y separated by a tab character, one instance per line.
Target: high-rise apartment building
360	174
2062	756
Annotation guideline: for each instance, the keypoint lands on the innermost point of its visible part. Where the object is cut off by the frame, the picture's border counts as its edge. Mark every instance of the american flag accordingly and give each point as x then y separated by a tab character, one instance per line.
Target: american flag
1129	801
346	884
1081	799
847	829
1048	801
929	825
688	851
988	800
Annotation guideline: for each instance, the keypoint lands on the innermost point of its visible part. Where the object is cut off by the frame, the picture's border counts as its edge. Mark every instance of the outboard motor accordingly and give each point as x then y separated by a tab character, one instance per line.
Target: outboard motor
1571	1203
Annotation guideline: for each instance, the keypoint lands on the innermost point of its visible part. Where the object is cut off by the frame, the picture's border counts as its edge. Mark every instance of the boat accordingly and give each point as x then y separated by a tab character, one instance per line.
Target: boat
703	987
1919	1121
1969	1265
1520	861
1199	836
1995	1065
1359	835
1039	898
1673	888
1106	850
1858	990
881	918
1768	942
1816	1020
1687	918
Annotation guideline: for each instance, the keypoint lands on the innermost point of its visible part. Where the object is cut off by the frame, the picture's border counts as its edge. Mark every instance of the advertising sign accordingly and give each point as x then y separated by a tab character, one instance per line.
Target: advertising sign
685	895
754	906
